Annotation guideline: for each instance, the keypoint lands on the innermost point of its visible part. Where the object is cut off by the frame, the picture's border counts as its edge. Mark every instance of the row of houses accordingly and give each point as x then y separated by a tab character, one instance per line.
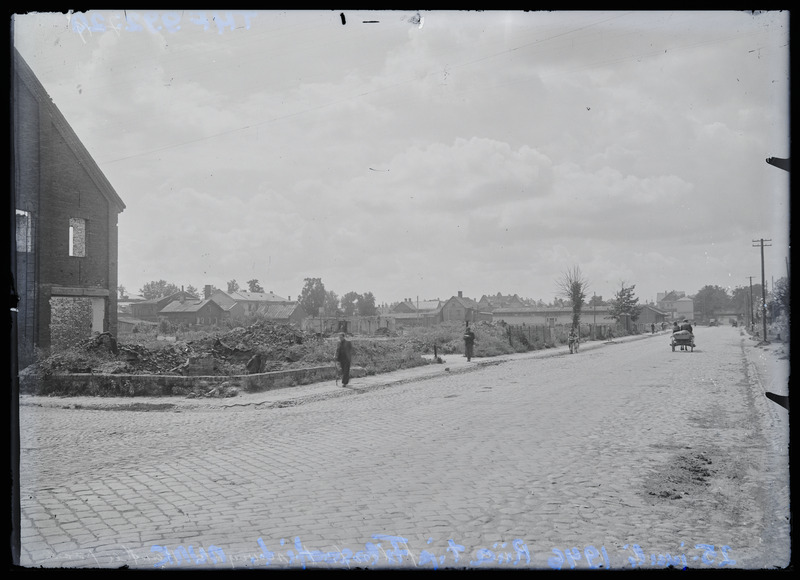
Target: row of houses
214	308
217	306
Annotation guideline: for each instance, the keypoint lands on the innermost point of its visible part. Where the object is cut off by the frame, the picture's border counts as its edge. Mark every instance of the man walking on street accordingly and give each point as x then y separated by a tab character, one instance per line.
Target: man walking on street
469	342
344	355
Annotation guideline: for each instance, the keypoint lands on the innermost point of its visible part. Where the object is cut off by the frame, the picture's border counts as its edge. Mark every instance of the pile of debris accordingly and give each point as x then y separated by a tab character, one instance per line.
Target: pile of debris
261	347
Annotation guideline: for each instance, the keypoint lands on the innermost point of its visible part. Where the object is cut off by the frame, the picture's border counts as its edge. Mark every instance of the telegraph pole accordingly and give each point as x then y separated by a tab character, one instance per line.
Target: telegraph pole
757	243
752	318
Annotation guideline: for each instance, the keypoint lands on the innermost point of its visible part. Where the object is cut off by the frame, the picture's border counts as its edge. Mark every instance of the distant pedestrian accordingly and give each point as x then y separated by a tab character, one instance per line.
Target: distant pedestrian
344	355
469	342
652	328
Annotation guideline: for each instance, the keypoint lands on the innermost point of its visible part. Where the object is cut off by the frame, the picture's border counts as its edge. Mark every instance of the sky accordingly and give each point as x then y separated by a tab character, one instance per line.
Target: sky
419	154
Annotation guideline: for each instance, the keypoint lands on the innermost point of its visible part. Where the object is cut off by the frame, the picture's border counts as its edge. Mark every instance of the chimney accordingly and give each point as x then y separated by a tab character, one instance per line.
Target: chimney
459	294
207	291
183	296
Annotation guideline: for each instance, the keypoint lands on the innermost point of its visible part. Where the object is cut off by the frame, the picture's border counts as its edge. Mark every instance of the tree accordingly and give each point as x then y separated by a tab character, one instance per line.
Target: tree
709	300
573	286
366	304
312	297
625	304
331	307
781	297
233	286
193	291
121	290
254	286
349	302
596	301
157	289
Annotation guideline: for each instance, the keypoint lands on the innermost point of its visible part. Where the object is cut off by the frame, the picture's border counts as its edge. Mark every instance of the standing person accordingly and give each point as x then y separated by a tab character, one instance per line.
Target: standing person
469	342
572	340
652	328
344	355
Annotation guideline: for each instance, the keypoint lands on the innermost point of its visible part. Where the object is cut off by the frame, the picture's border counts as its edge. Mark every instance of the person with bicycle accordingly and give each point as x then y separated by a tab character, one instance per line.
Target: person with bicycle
573	339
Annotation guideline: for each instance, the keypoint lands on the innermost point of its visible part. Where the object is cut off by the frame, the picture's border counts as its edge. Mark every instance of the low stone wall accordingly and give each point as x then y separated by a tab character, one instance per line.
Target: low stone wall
119	385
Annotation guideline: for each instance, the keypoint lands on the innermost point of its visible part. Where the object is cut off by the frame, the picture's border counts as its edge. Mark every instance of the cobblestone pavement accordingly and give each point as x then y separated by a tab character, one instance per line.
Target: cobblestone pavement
623	455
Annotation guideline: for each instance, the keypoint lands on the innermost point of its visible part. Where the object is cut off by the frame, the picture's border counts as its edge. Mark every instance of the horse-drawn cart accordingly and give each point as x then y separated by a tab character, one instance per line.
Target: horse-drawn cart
683	339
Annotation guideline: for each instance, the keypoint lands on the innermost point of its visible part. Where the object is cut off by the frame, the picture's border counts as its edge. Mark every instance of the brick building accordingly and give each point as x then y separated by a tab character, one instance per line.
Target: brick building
66	224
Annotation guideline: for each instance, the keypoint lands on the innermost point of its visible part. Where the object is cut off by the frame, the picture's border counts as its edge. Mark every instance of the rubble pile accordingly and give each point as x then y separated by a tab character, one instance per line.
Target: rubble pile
260	347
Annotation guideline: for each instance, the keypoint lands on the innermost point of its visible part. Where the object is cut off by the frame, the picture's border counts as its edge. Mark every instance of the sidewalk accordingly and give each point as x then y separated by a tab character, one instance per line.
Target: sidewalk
290	396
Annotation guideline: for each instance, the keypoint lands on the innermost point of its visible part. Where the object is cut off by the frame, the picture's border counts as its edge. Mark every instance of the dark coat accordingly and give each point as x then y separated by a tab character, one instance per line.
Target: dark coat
344	351
469	338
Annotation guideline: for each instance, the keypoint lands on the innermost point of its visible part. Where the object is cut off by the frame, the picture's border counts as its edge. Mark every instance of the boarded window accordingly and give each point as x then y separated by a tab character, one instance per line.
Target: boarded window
77	237
24	233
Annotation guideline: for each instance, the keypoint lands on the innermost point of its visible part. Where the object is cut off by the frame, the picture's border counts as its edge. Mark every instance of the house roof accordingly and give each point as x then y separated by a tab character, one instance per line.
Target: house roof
421	305
29	78
654	309
465	302
279	311
672	296
168	297
186	306
255	296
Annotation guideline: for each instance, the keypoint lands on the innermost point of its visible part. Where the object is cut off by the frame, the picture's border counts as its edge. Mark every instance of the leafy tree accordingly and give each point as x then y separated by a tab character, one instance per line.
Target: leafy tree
331	307
780	297
366	304
157	289
121	290
741	303
625	304
349	302
596	301
573	286
710	300
254	286
233	285
312	297
193	291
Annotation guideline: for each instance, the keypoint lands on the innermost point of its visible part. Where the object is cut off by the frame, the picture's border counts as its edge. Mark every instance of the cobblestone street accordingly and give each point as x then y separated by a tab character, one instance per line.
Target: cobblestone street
623	455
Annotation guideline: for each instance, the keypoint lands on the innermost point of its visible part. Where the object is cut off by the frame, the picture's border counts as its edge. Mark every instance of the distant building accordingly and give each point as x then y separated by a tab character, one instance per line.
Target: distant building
149	309
66	225
289	313
124	304
240	304
652	315
409	306
684	308
666	301
192	312
489	303
463	309
551	316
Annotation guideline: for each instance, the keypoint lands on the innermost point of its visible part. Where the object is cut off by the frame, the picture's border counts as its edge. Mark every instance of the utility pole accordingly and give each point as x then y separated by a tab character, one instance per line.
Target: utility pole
757	243
752	320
